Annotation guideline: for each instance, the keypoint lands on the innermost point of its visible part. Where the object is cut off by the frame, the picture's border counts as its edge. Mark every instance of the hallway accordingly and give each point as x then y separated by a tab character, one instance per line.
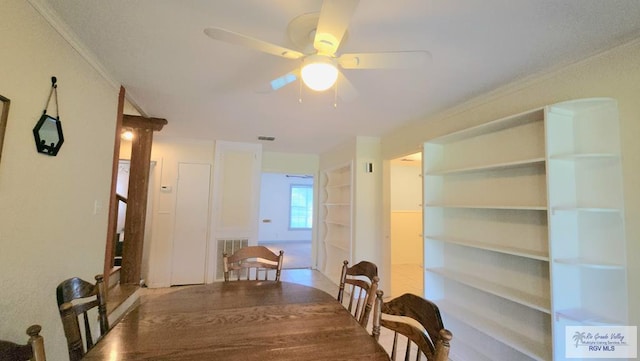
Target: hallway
405	278
297	254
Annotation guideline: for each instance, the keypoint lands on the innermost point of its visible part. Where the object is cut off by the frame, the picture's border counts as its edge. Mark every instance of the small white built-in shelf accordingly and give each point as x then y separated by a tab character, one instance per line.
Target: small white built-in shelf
338	223
336	236
339	246
340	185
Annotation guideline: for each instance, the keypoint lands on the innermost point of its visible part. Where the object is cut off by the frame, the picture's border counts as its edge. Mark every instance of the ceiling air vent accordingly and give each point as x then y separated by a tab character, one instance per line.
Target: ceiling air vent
263	137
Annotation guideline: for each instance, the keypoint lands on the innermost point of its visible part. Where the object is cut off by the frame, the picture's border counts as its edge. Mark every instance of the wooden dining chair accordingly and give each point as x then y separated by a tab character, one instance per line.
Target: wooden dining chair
360	283
77	297
249	262
431	338
33	350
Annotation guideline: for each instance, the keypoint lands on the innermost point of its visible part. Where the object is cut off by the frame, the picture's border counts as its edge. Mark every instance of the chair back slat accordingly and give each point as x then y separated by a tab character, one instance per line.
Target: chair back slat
250	262
432	341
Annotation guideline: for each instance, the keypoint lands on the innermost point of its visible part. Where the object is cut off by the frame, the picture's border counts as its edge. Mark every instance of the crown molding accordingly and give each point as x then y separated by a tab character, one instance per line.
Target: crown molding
527	81
52	17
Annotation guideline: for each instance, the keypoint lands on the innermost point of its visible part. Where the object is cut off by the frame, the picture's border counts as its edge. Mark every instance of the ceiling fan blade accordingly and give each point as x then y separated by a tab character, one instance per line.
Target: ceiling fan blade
385	60
285	79
346	91
332	24
280	82
239	39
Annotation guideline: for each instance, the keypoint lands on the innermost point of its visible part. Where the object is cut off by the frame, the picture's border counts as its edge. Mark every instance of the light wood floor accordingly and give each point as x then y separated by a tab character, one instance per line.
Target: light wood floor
297	254
406	278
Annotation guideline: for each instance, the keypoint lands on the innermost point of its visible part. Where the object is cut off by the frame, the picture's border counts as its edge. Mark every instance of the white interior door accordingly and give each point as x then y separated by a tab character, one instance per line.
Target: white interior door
190	232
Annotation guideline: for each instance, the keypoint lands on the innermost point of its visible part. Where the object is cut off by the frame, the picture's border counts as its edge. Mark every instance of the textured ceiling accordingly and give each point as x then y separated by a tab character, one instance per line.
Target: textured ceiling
208	89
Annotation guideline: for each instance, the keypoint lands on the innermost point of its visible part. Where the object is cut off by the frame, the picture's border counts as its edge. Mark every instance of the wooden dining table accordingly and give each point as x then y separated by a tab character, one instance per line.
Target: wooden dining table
240	320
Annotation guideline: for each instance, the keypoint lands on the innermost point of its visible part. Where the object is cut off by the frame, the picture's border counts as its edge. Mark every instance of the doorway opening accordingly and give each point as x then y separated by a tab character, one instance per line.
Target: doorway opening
406	225
286	217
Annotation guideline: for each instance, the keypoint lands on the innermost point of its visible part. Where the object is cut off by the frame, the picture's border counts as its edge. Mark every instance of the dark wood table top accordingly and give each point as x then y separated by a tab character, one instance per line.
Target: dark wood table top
243	320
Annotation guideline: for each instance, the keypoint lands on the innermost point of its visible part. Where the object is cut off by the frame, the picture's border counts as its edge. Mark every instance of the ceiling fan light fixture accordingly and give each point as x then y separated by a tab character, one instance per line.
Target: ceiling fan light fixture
319	72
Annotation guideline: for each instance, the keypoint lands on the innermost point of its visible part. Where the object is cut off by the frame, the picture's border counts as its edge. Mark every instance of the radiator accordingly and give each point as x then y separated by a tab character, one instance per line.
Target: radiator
228	246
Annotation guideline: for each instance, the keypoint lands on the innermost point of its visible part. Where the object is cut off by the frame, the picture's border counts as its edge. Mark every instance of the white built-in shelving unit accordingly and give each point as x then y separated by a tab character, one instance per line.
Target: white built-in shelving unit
523	215
336	218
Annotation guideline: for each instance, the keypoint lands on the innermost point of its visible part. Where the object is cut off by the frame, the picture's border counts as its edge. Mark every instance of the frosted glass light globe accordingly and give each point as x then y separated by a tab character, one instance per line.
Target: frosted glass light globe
319	72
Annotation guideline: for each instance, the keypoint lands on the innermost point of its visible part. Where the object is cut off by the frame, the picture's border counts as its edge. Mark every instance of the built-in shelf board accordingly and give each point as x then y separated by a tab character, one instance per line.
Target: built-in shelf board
589	263
530	347
490	127
585	156
490	167
341	185
526	299
495	206
341	204
514	251
339	246
463	349
585	317
586	209
338	223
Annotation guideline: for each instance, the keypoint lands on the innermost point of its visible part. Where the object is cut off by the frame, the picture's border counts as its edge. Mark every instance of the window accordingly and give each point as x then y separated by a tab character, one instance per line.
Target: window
301	207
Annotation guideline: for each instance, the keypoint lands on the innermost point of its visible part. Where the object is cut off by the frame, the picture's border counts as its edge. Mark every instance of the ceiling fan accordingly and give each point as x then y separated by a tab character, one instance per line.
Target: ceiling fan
319	35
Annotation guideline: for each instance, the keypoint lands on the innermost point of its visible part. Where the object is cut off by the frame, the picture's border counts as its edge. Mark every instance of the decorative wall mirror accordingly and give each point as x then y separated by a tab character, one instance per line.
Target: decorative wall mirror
48	135
48	131
4	115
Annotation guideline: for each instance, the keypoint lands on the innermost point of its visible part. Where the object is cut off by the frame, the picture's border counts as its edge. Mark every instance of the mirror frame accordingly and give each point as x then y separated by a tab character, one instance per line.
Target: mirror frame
52	148
4	115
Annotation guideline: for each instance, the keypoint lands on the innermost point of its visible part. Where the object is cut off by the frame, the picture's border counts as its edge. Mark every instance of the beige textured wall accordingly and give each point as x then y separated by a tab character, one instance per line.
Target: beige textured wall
50	229
615	74
294	163
406	228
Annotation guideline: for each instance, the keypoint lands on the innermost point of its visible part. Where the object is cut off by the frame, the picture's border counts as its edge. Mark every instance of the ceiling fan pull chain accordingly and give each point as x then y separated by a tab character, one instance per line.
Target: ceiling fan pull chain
335	95
300	91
